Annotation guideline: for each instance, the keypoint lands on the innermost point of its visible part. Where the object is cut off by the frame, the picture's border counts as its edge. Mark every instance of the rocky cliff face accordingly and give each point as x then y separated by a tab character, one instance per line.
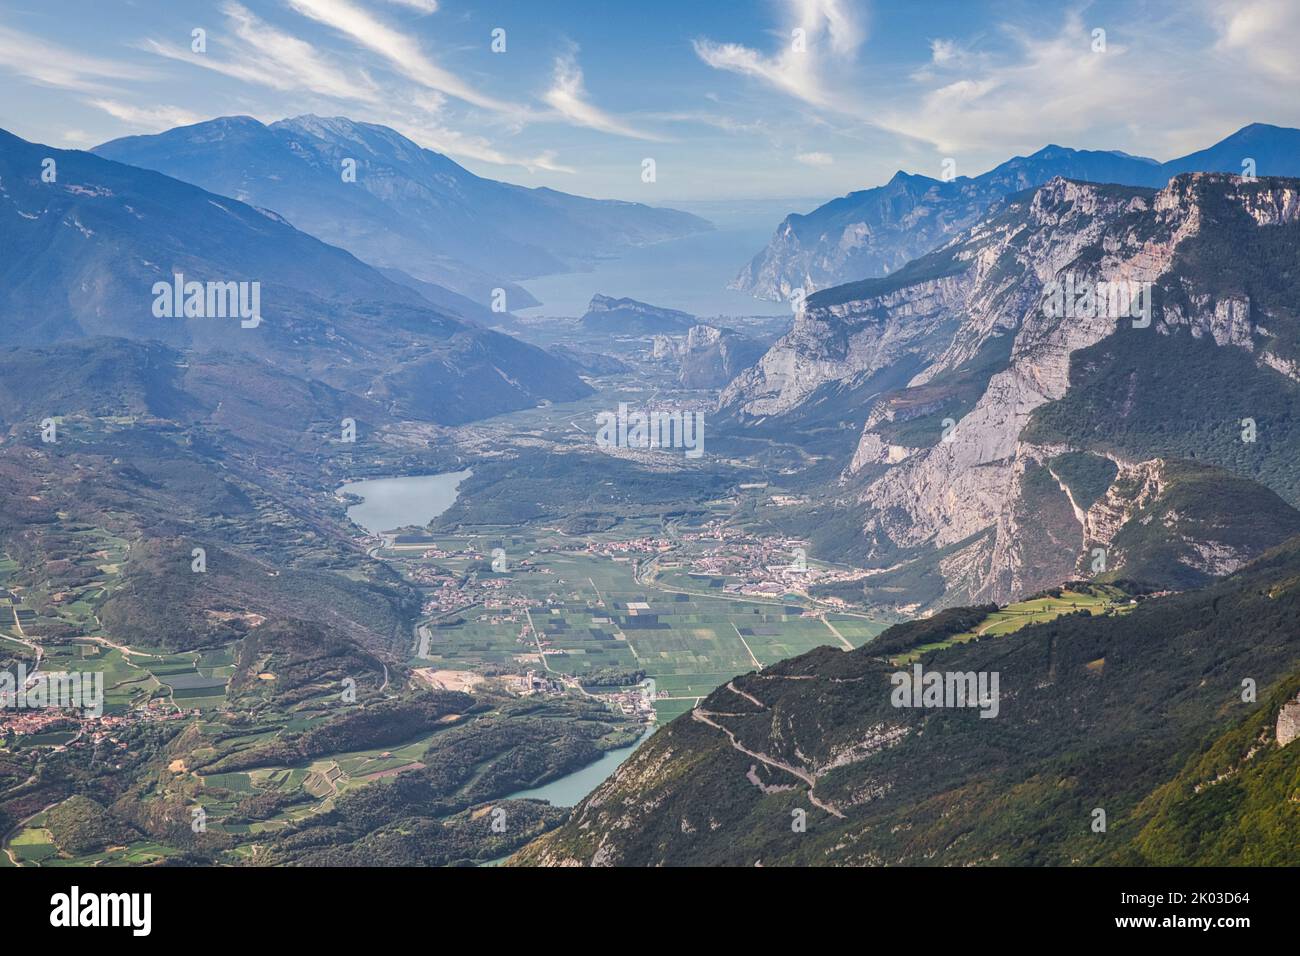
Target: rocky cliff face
709	357
942	464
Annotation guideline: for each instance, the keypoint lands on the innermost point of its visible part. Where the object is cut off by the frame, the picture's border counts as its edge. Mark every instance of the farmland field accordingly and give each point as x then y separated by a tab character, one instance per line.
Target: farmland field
575	612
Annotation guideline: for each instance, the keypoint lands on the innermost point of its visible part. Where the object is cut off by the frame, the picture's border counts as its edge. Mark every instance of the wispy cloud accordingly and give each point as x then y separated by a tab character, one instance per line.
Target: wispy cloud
1262	34
295	60
423	6
400	51
818	33
568	97
432	135
48	64
153	118
260	54
1044	86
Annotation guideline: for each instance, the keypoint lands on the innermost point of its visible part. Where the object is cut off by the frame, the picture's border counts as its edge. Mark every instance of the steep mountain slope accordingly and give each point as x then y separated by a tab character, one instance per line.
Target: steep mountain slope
1237	802
1130	714
82	255
408	208
875	231
956	467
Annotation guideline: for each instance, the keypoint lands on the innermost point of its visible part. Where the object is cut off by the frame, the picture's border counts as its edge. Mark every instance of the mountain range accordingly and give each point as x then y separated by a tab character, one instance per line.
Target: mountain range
84	253
876	231
406	207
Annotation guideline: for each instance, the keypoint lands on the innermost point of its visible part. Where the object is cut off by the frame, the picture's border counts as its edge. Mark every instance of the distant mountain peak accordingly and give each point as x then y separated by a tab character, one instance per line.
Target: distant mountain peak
874	232
407	207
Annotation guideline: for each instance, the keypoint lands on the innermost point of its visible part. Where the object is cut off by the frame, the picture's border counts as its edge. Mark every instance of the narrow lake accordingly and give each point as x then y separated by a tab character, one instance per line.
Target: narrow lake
398	502
568	791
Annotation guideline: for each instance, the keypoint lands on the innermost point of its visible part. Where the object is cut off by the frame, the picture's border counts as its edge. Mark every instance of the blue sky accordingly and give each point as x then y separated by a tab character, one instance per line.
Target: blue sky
727	98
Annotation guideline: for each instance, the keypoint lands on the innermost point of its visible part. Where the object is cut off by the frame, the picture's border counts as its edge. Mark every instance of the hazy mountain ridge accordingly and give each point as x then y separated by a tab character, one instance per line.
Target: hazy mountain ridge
409	208
84	252
875	231
632	317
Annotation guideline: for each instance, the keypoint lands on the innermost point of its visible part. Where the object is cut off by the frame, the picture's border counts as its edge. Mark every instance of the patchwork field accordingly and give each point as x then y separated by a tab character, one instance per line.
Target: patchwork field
580	613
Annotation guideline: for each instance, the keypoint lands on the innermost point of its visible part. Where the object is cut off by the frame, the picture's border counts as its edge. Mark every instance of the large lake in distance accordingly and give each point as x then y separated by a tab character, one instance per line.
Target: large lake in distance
398	502
690	273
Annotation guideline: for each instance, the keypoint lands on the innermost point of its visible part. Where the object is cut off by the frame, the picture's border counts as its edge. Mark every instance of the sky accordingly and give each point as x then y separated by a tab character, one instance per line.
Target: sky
731	99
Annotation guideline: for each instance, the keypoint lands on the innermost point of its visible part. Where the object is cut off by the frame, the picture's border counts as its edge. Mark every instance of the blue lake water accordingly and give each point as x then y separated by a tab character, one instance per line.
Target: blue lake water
569	791
398	502
690	274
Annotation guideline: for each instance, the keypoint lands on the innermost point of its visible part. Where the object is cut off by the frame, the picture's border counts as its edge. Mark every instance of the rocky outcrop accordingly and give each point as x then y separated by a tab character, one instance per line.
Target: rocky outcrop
837	342
970	481
708	357
628	316
1288	723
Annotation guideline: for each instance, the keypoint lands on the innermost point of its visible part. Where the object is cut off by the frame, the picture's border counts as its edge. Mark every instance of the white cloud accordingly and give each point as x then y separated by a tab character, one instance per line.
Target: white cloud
1263	34
942	51
154	118
467	146
266	56
568	97
815	159
1046	87
546	161
423	6
294	62
47	64
829	32
401	52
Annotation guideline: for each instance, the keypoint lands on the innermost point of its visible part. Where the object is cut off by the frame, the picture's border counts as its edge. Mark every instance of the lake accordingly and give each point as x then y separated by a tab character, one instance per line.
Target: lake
690	273
392	503
568	791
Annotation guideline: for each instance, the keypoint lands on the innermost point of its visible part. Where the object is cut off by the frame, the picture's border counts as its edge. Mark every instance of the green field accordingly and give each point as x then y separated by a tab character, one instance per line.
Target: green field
590	613
1095	599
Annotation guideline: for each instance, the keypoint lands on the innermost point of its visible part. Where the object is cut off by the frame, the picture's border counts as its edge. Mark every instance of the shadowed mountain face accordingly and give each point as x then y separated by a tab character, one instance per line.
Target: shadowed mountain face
84	255
876	231
408	208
